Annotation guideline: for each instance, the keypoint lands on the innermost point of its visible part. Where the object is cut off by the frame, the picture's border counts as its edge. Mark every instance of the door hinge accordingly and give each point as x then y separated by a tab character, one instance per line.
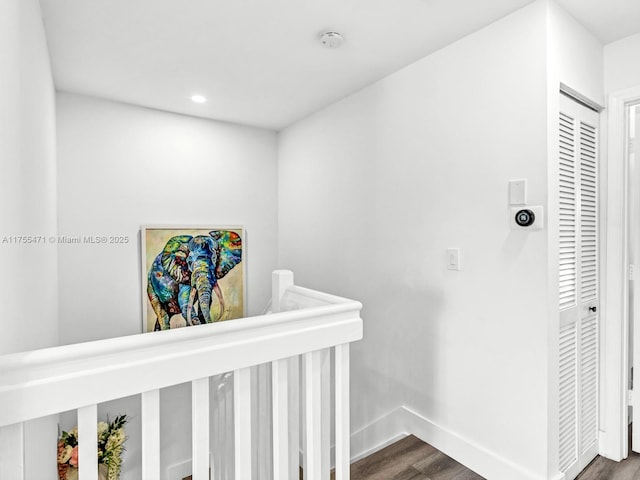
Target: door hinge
630	397
631	271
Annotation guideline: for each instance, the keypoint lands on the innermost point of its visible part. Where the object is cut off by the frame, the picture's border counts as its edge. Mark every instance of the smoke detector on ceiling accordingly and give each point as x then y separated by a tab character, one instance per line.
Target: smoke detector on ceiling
332	40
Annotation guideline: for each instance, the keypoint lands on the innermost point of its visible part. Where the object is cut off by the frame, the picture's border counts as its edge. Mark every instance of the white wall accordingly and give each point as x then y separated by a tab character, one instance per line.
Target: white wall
622	69
28	289
575	55
27	183
375	188
121	167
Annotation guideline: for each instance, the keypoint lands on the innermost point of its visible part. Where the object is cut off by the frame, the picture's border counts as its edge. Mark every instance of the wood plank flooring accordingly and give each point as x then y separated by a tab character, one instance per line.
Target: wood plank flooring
604	469
412	459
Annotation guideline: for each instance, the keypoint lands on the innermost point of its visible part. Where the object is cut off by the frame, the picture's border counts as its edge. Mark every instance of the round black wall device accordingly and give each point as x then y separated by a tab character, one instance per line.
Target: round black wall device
525	217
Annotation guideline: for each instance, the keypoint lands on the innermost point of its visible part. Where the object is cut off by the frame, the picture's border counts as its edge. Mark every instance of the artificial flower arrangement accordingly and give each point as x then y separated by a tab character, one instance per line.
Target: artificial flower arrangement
111	438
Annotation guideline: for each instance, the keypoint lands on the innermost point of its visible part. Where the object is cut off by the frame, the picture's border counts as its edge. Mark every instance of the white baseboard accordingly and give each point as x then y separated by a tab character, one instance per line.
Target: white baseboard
403	421
179	470
378	434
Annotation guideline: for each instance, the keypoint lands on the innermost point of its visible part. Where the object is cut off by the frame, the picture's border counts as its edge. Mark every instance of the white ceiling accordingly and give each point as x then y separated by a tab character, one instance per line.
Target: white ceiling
260	62
609	20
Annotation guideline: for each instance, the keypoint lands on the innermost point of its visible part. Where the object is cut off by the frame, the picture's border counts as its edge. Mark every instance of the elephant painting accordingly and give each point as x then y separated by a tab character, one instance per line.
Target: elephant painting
185	275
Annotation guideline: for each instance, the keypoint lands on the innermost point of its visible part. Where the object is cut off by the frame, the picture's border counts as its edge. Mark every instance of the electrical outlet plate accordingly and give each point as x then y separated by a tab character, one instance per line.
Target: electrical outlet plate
537	210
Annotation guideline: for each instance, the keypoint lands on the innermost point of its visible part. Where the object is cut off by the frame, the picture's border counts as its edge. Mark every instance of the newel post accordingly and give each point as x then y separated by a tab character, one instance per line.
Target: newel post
280	281
284	387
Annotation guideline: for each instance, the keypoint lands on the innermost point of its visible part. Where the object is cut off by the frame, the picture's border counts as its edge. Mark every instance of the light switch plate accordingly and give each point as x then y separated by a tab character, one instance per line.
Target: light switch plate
518	192
453	259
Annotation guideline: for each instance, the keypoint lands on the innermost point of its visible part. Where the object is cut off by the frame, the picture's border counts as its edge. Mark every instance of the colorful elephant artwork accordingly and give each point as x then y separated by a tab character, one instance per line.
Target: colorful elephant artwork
192	276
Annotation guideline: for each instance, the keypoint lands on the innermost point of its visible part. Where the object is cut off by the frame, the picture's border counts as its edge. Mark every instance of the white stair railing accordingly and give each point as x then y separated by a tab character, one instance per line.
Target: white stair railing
304	324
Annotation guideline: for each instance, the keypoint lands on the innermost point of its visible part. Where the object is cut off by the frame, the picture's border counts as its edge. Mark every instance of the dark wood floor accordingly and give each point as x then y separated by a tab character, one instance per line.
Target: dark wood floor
604	469
412	459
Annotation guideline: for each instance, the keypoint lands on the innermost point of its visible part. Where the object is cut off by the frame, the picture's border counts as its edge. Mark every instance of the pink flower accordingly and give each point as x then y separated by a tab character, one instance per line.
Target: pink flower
74	457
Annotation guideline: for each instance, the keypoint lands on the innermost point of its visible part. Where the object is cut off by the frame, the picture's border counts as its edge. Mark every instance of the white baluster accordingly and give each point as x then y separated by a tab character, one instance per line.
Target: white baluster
325	412
343	435
280	404
229	425
263	397
217	429
313	414
150	406
242	422
200	428
88	442
294	418
12	452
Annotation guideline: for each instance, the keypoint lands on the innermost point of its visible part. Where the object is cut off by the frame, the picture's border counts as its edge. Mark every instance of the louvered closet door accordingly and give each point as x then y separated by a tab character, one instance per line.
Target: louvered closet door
578	286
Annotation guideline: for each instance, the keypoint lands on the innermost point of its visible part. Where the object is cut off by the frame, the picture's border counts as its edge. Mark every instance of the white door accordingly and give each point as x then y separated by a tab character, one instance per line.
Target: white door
578	267
633	135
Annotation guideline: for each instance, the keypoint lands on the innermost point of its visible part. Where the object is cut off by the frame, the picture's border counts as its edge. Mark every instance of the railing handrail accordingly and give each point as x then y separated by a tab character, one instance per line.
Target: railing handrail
41	382
80	351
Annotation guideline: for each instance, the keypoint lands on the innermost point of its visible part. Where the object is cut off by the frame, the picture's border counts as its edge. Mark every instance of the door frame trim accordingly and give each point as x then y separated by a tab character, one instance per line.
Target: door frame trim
580	98
615	299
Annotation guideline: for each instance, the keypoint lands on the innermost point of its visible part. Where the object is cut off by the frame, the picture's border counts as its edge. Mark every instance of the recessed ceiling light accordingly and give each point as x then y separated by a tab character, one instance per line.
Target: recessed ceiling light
198	99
